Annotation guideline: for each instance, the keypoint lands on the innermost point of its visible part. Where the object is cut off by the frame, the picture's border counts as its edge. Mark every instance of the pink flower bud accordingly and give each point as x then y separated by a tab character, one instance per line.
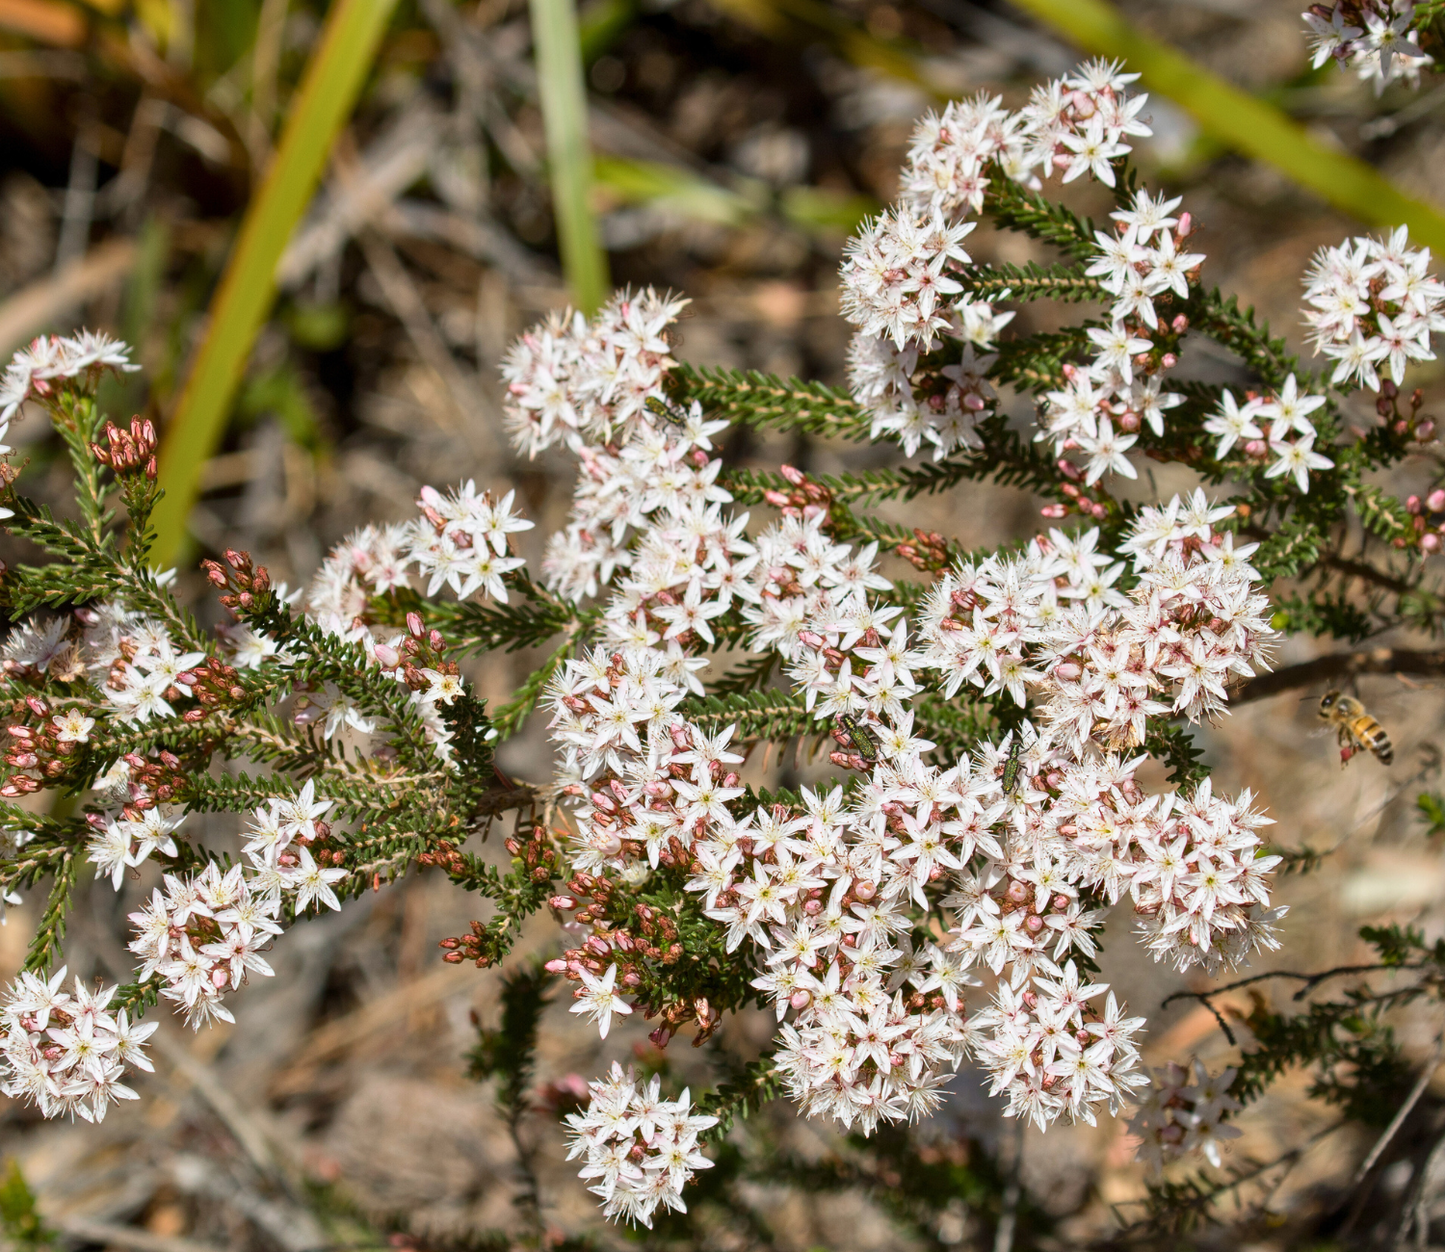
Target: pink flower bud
612	845
1425	431
864	889
556	966
1053	511
1033	923
1068	671
389	657
1129	422
800	999
1256	447
1430	542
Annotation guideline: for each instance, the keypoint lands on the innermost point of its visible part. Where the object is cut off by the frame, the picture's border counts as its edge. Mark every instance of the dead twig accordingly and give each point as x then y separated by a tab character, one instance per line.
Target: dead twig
115	1235
46	301
1398	1120
1340	666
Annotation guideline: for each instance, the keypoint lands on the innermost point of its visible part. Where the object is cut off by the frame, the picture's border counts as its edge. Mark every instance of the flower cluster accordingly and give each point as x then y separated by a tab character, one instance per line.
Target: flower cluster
1183	1111
598	387
204	934
37	372
66	1053
1102	406
904	275
1028	842
1053	618
941	408
642	1150
1275	425
459	542
1374	37
941	895
1373	301
588	383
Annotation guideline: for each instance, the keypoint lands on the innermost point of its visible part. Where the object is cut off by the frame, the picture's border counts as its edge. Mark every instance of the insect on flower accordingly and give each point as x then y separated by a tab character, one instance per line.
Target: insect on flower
667	410
861	738
1012	768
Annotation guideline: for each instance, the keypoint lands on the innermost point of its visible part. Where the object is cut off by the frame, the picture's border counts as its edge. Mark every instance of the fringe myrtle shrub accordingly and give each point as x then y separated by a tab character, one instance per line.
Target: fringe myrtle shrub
941	894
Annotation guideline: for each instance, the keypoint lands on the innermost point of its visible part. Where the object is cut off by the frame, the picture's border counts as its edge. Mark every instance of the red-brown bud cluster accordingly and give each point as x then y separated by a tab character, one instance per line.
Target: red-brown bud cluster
213	684
537	854
33	745
469	947
807	499
420	649
628	935
242	582
153	780
928	552
1410	424
444	856
127	451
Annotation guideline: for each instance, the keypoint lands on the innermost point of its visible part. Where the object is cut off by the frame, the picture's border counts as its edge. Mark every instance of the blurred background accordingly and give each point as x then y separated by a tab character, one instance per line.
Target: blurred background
737	144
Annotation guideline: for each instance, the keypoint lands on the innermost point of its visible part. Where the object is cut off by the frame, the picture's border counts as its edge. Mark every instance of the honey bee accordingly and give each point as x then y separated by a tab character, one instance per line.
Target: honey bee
1357	730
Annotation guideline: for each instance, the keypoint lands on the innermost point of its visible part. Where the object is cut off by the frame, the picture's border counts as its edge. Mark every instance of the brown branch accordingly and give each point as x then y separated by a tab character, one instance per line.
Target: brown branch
1339	666
1361	570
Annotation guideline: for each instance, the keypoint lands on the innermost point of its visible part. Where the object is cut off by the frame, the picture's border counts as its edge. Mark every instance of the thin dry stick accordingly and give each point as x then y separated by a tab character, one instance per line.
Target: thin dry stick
115	1235
79	210
406	302
48	299
1003	1239
1414	1211
1398	1120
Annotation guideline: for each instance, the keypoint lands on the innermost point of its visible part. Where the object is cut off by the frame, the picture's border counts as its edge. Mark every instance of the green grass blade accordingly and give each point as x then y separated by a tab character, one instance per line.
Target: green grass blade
332	81
569	157
1241	121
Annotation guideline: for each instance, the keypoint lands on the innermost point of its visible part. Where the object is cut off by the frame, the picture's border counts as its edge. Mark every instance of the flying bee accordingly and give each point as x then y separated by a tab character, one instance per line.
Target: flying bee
860	736
1012	767
672	413
1357	730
